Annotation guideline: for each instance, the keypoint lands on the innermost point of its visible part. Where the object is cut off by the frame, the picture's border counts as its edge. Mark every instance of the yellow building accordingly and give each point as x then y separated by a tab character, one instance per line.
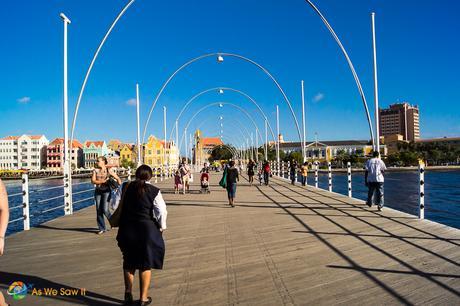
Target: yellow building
154	152
128	152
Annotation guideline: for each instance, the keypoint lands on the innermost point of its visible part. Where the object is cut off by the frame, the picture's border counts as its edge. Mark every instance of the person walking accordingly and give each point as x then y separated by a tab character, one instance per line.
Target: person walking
251	166
102	191
185	174
4	218
292	171
266	170
140	235
232	179
304	173
374	179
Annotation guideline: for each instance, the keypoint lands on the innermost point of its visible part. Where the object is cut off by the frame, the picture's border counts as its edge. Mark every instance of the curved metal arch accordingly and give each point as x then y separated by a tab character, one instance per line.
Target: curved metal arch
350	64
217	103
230	55
232	119
230	148
224	89
90	67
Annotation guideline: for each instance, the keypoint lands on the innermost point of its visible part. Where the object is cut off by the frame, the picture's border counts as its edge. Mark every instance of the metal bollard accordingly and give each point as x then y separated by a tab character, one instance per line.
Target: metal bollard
421	171
349	178
316	174
161	174
329	176
25	200
156	174
129	174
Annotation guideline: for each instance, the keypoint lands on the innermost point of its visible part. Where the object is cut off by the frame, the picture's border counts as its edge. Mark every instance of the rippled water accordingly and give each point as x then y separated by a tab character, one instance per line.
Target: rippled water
442	199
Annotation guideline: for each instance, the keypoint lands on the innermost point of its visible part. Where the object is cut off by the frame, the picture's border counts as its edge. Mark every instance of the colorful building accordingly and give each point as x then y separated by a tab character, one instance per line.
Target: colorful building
23	152
92	150
115	145
55	155
129	153
155	152
203	147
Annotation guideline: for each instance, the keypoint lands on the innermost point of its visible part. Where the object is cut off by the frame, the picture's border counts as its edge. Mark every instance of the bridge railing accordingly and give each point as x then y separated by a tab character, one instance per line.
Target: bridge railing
282	171
39	203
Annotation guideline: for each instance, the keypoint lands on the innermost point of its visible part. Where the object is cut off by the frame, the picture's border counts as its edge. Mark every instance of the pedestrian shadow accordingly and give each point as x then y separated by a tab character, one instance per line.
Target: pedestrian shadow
89	298
72	229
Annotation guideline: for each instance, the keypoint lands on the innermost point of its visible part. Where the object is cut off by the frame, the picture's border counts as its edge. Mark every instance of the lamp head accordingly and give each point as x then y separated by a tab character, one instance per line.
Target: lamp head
221	91
220	59
64	17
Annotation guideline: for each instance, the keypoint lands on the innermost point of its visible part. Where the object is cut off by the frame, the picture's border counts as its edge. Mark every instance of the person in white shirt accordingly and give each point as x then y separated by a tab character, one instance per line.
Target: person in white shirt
374	179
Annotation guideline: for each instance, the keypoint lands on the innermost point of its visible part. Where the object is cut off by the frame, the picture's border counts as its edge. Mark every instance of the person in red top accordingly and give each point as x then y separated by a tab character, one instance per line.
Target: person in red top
266	172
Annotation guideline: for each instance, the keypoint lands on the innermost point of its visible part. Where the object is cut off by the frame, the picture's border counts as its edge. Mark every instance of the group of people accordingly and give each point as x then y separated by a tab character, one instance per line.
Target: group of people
182	177
143	217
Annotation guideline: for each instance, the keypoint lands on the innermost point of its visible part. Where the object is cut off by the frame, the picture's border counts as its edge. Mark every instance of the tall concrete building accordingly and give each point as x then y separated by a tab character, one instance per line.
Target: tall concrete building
23	152
400	118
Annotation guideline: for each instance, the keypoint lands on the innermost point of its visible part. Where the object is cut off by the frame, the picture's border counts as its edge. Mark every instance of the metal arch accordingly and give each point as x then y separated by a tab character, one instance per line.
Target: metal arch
230	148
350	64
222	54
233	119
221	88
217	103
92	63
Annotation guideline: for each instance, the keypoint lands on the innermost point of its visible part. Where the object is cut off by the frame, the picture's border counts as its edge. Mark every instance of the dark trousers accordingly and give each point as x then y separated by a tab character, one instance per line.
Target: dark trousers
266	177
375	193
102	208
303	180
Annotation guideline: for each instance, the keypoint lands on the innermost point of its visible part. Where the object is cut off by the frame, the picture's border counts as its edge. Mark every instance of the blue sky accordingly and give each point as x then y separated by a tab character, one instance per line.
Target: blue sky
417	57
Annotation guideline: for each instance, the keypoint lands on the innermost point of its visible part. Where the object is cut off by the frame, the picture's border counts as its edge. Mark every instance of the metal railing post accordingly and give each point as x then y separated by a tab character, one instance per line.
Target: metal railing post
349	178
329	176
25	200
156	174
316	174
421	171
129	174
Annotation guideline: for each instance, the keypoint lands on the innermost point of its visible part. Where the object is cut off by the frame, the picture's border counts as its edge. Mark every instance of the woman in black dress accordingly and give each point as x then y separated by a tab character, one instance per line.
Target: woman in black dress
251	166
140	236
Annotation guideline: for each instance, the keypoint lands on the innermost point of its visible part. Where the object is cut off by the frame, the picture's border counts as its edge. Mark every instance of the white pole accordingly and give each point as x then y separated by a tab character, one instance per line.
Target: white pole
266	140
277	134
421	171
185	145
316	174
139	161
66	158
177	138
164	129
25	200
329	176
304	135
349	178
257	148
376	90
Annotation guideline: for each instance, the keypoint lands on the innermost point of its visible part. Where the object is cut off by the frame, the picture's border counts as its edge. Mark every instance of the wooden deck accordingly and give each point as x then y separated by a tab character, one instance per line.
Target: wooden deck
281	245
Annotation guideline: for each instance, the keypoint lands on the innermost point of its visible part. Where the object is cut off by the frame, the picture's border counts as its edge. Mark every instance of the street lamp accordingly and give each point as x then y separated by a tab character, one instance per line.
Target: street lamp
220	58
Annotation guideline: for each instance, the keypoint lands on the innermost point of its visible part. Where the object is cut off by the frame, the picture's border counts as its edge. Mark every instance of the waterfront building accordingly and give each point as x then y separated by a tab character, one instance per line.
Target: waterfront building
155	152
203	147
113	159
128	153
92	150
23	152
400	118
325	151
115	145
55	155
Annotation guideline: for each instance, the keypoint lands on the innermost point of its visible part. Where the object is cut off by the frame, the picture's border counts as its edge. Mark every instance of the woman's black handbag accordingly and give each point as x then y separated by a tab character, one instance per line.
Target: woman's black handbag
112	183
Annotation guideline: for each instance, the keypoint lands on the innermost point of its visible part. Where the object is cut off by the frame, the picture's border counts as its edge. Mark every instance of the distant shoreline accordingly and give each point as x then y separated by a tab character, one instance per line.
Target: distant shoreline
395	169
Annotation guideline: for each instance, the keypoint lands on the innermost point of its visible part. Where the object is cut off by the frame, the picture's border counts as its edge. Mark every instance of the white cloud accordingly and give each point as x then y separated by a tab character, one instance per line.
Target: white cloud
318	97
24	100
131	102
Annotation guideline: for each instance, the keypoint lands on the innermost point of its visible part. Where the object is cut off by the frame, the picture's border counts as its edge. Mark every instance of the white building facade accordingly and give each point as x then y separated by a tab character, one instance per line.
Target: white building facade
23	152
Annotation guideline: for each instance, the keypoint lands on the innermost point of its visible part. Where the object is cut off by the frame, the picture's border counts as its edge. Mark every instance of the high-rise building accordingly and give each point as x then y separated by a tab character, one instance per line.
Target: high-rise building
400	118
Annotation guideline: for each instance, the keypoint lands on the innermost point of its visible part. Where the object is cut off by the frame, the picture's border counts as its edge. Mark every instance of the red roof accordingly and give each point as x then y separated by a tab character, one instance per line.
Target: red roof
17	137
211	141
97	143
60	141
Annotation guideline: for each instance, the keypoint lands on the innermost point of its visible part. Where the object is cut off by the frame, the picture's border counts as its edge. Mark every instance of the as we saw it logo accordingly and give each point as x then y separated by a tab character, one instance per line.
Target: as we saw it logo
18	290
